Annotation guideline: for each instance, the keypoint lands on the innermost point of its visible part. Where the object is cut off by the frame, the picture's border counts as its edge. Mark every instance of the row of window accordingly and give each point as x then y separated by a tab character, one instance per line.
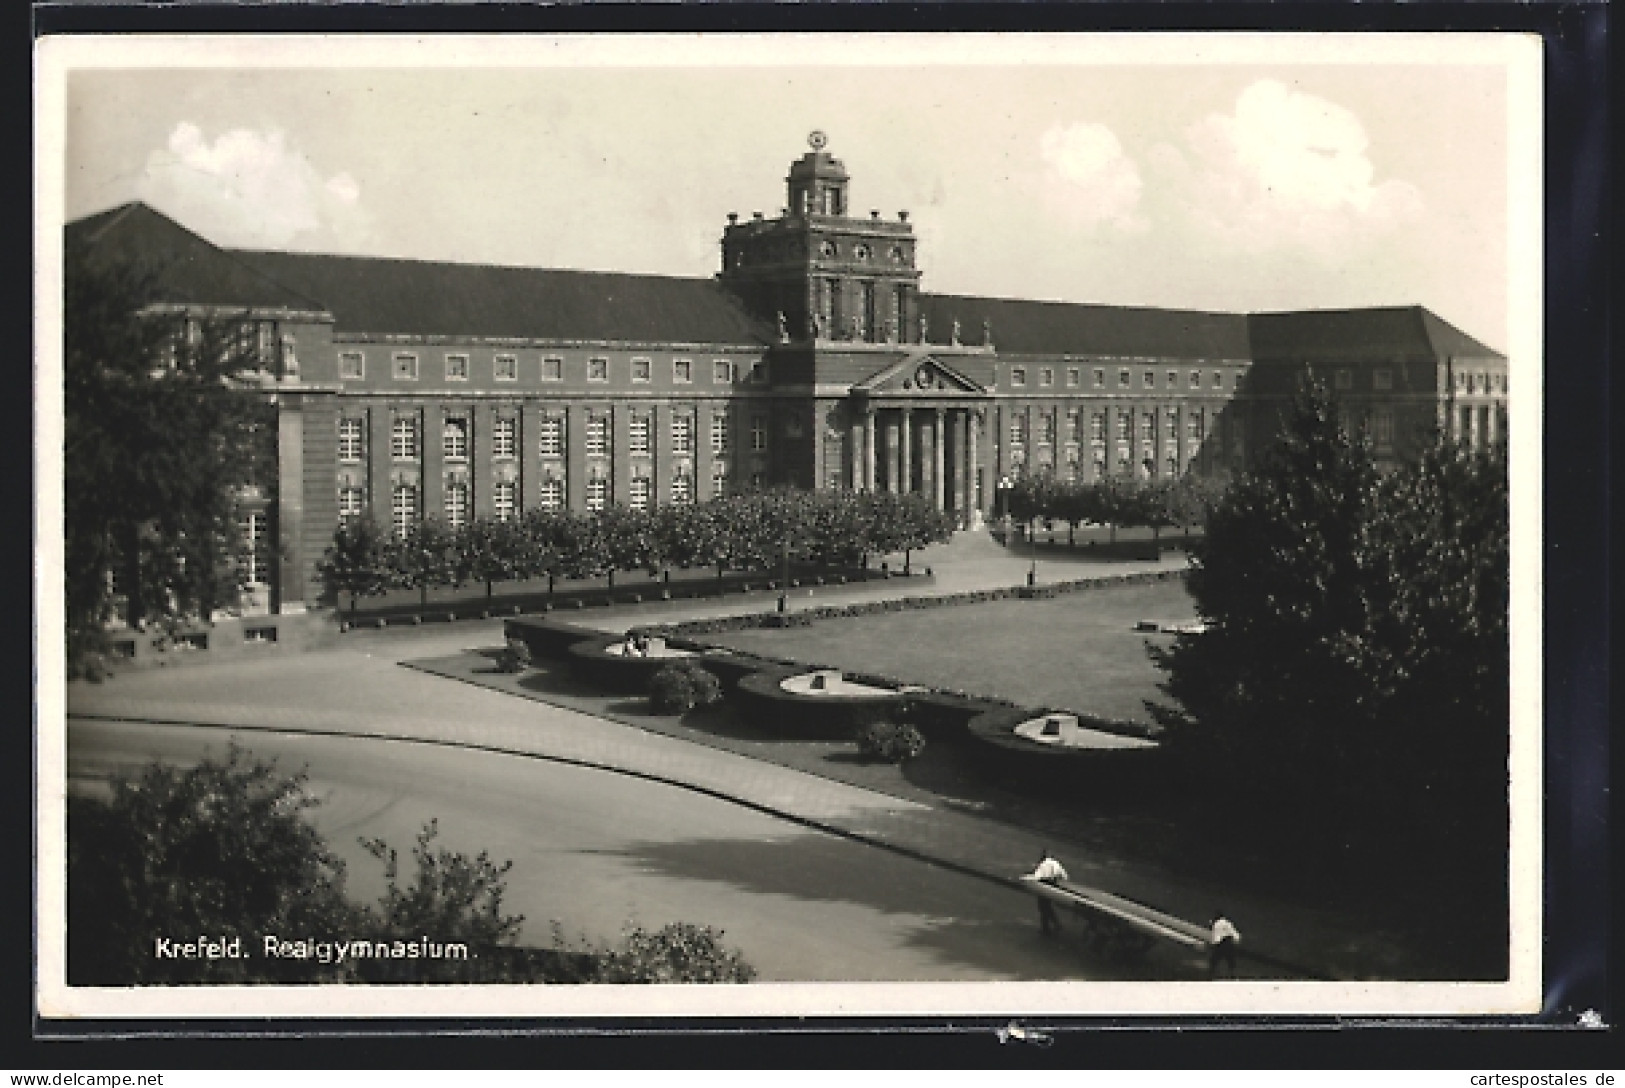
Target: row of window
404	444
505	368
1481	383
405	507
1097	426
1125	378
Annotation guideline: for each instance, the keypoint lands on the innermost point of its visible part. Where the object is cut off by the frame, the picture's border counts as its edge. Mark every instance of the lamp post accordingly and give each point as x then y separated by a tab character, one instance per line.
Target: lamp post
1003	487
784	586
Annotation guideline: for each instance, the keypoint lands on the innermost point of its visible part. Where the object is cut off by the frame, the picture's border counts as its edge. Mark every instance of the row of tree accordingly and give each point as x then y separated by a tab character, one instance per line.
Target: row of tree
1115	501
752	531
1352	679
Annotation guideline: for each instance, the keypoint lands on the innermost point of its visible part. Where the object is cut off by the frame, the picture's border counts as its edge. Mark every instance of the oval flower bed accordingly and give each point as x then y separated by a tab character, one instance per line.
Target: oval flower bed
612	666
814	705
1060	747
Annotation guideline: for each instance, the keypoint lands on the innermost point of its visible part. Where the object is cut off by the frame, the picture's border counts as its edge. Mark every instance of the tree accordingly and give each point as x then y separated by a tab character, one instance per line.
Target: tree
359	562
162	432
1352	670
427	558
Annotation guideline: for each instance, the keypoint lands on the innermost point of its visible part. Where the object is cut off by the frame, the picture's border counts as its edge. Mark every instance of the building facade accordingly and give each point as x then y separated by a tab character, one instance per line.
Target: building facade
813	359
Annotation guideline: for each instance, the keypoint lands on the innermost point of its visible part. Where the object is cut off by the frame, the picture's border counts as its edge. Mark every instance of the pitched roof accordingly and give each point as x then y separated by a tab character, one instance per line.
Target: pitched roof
1399	333
1024	327
435	298
182	267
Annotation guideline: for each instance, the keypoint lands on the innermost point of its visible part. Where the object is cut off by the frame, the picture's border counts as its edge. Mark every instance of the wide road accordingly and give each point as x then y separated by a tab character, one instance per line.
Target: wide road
595	850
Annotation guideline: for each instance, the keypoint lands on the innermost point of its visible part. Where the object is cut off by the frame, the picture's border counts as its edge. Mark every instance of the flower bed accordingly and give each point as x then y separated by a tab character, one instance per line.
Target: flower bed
1100	770
762	700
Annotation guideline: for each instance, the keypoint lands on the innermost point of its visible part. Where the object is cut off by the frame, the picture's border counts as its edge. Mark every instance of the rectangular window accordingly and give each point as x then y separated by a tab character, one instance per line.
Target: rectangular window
1170	424
1193	426
722	372
406	367
1172	378
598	370
403	508
640	370
1122	379
1046	376
758	372
352	501
1149	379
1100	379
455	439
1148	424
403	438
352	365
503	431
457	368
456	504
254	559
1342	378
290	358
1073	377
758	432
597	493
1171	466
1196	379
504	496
719	435
597	436
552	494
352	442
1046	429
1218	379
757	480
637	435
1382	378
1018	430
637	495
552	369
505	368
1123	421
719	484
1074	425
1018	376
682	488
682	371
1097	427
682	434
1382	428
550	438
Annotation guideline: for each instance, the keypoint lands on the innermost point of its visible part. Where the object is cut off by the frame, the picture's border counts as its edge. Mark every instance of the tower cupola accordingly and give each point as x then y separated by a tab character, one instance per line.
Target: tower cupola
817	181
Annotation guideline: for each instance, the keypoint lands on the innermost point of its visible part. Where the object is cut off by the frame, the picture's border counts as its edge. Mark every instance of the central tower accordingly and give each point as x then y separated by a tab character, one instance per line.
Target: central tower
818	272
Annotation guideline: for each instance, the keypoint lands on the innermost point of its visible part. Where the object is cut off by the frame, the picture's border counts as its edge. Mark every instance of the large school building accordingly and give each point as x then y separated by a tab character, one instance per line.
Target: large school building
409	388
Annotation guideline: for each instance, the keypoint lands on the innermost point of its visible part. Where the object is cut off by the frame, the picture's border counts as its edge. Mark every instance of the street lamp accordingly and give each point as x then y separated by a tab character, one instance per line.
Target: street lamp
784	586
1003	487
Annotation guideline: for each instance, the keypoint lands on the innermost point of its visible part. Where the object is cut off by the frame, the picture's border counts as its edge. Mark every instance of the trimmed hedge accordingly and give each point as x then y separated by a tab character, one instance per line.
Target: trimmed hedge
1102	772
592	661
547	638
812	717
808	616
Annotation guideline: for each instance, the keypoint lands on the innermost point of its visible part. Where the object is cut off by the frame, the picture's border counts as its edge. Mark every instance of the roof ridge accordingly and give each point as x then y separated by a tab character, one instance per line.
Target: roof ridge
439	262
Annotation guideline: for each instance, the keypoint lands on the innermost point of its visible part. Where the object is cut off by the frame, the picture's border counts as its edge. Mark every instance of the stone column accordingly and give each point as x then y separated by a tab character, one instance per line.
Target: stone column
905	475
893	465
973	463
962	469
855	446
869	422
528	451
939	485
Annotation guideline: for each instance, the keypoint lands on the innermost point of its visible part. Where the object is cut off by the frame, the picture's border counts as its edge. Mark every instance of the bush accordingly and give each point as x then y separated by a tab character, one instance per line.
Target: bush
515	656
683	685
680	952
893	742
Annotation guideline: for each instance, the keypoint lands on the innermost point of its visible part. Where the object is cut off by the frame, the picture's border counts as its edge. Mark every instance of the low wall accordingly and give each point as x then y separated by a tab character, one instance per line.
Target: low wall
230	639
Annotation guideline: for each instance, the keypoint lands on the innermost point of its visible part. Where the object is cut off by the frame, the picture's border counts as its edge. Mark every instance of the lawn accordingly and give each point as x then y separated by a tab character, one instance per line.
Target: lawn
1078	651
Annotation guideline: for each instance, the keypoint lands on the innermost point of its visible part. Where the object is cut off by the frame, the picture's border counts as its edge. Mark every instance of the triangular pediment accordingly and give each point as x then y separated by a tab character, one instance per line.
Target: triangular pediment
920	373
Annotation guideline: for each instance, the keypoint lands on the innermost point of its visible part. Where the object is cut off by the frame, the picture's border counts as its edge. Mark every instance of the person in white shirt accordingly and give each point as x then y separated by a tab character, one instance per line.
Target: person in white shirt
1222	944
1049	871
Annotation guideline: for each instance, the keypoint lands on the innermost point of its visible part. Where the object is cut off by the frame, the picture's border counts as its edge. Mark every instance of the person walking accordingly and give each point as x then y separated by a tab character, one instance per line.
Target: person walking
1049	871
1222	943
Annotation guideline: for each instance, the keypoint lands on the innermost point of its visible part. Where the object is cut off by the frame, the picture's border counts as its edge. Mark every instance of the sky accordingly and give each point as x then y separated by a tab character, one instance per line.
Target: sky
1267	185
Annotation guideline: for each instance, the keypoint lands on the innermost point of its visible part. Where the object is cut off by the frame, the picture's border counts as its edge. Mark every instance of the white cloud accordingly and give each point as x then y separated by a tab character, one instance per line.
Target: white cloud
1286	168
250	188
1099	182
